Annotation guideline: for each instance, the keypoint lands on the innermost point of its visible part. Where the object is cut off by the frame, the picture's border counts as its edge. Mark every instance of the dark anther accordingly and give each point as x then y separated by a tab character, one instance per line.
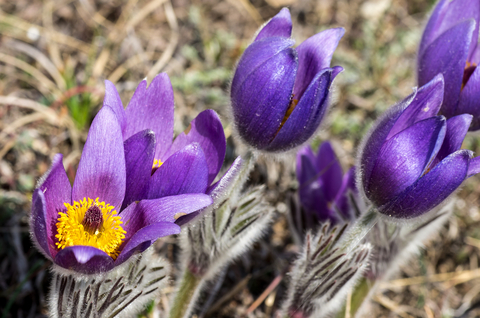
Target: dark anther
93	219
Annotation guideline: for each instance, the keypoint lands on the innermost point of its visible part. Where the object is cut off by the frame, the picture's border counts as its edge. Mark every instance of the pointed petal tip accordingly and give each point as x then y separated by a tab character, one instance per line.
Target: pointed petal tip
284	13
278	26
473	166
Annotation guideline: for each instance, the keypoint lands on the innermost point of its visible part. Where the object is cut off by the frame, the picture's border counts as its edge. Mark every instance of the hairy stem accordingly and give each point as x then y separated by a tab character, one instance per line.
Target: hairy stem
357	232
185	294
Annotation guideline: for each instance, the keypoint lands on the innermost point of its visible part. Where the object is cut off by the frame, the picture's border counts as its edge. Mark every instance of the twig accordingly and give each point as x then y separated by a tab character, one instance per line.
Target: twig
265	293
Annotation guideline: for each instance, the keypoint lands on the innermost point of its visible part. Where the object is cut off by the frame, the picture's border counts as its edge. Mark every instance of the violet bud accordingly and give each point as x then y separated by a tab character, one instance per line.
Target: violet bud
450	46
279	94
325	193
411	160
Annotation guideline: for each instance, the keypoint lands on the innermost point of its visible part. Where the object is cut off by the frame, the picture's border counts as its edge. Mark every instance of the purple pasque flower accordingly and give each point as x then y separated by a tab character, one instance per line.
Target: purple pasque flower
450	46
411	160
158	166
323	188
83	228
279	94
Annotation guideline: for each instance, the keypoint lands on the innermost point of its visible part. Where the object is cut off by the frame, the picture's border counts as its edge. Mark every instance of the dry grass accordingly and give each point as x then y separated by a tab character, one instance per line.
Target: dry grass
55	55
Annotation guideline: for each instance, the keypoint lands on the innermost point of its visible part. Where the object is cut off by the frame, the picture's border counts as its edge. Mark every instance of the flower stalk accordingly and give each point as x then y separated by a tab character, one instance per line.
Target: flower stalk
220	233
358	230
186	294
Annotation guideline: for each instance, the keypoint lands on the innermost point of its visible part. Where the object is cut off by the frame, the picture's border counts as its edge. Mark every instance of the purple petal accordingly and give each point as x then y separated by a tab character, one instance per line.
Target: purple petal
139	156
314	55
475	55
153	109
375	139
207	131
306	116
404	158
113	100
342	201
261	101
430	190
426	103
101	171
147	235
257	54
457	128
41	234
146	212
447	14
473	167
470	99
186	171
312	198
329	170
84	259
56	190
311	188
280	26
447	55
306	165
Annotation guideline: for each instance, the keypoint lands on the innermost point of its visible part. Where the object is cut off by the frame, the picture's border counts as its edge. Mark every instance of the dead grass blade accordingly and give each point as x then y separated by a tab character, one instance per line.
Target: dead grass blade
41	78
41	59
53	49
172	44
50	115
51	35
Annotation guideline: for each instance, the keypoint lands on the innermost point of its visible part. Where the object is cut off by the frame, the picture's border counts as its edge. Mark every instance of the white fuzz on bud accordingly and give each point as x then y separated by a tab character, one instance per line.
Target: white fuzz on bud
122	292
323	275
226	233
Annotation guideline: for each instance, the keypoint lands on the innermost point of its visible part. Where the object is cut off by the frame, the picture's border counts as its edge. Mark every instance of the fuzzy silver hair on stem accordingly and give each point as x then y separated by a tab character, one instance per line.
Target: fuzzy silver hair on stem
393	244
216	240
122	292
323	274
219	234
226	233
210	244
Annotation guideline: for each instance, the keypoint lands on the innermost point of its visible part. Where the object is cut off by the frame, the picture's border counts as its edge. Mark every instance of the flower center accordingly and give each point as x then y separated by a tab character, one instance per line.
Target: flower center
90	223
93	220
156	164
467	72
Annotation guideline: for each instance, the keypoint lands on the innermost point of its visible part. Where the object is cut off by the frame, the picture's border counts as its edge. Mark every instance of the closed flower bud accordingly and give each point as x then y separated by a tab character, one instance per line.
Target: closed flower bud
411	161
450	46
280	94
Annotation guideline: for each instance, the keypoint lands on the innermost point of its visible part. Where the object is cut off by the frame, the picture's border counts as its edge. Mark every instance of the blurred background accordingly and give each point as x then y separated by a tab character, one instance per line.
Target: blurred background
55	56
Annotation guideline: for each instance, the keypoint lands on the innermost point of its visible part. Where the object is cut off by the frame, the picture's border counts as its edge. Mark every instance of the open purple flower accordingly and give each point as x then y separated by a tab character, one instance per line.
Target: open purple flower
450	46
83	228
411	161
156	165
323	188
279	94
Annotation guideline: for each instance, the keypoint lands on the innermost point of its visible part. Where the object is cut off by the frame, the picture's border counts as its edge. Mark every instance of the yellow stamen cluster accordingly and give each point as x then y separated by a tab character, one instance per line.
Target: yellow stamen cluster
157	163
71	231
